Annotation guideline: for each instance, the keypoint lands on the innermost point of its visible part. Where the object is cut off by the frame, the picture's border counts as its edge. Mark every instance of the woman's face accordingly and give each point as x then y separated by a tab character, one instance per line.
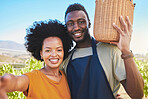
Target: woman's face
52	52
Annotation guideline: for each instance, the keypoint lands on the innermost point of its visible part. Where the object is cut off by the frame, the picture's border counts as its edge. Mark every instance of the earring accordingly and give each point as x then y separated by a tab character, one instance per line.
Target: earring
44	64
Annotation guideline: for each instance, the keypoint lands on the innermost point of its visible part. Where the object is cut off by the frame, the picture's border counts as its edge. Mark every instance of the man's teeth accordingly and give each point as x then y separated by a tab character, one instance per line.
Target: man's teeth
77	34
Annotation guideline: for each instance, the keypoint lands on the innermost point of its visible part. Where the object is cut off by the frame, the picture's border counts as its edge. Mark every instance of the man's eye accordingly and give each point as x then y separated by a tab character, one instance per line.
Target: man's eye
81	22
69	24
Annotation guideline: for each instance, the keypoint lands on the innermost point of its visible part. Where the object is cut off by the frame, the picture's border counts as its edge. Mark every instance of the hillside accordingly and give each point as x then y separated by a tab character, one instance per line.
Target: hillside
12	53
9	60
11	45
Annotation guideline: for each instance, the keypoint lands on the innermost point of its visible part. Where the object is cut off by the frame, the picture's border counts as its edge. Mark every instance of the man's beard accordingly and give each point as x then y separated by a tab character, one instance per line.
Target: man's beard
86	35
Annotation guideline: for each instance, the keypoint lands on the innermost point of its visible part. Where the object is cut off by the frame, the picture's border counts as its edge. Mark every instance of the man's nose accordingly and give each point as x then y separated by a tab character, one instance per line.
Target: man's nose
76	26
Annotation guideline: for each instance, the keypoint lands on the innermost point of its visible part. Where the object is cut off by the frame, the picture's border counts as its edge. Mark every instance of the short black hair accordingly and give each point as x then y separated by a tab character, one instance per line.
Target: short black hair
43	29
76	7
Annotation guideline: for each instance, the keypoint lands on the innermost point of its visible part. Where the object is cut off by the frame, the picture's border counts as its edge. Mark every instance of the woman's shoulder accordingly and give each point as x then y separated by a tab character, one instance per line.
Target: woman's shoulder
33	73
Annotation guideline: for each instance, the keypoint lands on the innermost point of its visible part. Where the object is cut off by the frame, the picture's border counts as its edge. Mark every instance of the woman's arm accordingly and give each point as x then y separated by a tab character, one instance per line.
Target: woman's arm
10	83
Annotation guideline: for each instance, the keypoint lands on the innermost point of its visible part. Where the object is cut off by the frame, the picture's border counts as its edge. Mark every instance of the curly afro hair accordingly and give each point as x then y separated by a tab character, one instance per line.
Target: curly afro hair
76	7
43	29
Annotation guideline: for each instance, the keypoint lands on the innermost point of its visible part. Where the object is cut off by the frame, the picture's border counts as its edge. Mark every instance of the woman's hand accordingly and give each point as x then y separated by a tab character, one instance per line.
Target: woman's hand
3	94
10	83
4	80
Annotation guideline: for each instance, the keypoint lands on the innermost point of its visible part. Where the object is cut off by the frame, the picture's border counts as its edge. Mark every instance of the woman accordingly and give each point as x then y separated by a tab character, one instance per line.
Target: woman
48	42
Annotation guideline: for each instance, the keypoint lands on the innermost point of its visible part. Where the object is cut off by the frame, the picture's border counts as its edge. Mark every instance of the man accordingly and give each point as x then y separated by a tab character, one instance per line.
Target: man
94	69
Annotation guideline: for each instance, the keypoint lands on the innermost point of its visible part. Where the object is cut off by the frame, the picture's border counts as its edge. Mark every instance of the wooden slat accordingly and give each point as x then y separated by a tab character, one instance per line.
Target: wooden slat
107	12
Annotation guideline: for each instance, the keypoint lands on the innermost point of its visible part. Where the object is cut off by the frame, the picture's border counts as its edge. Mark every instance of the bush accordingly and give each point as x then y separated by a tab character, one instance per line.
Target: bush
33	64
143	68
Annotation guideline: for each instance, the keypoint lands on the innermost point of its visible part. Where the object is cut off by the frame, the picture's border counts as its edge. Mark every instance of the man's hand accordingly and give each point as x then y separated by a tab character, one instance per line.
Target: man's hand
118	96
125	33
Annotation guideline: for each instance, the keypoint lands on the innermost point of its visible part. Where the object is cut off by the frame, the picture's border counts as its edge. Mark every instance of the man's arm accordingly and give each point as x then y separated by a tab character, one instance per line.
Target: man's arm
10	83
134	83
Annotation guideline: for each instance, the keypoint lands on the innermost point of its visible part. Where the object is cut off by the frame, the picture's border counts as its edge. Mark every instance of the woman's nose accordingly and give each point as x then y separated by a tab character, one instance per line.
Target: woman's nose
53	53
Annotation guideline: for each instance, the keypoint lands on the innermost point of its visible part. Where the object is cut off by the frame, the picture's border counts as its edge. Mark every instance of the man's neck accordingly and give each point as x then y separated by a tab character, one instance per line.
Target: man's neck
86	43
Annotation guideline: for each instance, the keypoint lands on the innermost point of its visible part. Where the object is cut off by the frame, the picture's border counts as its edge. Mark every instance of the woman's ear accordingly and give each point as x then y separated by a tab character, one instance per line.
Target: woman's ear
41	55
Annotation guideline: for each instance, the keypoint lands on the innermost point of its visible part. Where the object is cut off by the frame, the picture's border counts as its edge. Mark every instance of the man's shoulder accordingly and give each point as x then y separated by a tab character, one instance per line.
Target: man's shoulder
105	49
106	46
102	44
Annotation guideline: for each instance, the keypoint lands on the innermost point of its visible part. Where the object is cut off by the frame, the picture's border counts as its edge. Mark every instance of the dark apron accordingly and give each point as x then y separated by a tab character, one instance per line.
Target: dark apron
87	79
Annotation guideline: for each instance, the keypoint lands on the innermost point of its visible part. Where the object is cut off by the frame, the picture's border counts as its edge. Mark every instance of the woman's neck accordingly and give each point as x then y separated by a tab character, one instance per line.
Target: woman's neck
53	74
51	71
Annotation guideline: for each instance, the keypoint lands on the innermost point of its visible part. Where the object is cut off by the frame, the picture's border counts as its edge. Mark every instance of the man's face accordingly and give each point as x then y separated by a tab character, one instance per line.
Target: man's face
77	25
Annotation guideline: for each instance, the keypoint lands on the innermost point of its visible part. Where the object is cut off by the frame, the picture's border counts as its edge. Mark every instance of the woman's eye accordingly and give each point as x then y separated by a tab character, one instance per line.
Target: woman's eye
59	50
47	50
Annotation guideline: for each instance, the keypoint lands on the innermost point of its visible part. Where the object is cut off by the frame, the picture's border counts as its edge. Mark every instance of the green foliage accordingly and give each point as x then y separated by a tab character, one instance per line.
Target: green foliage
31	64
143	68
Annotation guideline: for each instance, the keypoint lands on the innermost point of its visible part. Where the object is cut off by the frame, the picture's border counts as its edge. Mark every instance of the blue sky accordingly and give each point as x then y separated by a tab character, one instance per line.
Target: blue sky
17	15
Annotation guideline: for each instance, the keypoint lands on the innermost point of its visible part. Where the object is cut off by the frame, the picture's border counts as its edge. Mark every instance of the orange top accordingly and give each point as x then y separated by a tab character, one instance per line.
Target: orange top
41	87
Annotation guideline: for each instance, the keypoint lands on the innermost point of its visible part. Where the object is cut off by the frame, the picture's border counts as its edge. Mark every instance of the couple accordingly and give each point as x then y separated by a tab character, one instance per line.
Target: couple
94	70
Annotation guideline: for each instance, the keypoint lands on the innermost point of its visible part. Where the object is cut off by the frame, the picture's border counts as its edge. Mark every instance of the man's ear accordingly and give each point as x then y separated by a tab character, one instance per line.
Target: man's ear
89	25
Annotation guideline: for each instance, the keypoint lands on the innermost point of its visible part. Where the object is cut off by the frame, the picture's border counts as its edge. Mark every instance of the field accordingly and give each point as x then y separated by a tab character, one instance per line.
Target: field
17	59
13	56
